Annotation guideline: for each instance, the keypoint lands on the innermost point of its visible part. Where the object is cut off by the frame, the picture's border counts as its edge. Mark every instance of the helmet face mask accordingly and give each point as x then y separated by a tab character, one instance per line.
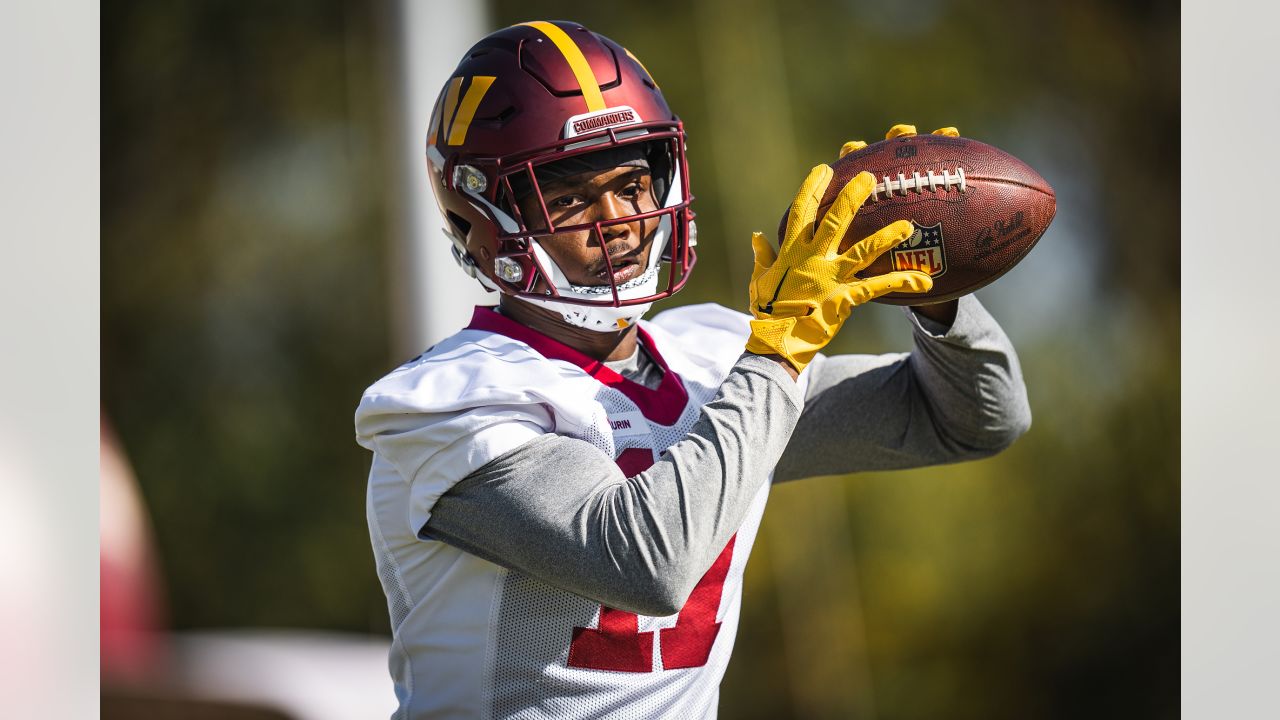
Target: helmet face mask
497	237
672	216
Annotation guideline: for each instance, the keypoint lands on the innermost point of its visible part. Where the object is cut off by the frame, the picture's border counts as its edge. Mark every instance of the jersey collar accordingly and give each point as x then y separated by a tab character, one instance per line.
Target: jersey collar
662	405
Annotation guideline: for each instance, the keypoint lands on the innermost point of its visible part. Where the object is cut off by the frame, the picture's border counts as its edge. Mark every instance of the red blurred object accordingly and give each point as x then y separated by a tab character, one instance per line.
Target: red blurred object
132	613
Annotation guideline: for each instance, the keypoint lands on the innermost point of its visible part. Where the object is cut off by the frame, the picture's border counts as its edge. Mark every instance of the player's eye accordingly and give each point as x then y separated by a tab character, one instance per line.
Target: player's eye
632	190
564	201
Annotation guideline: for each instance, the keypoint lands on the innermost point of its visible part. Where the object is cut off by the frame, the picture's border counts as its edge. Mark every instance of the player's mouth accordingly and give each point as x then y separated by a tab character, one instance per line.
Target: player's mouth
622	271
625	267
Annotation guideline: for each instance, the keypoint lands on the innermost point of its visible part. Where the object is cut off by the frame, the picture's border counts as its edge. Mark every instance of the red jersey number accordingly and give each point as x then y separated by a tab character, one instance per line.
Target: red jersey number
619	645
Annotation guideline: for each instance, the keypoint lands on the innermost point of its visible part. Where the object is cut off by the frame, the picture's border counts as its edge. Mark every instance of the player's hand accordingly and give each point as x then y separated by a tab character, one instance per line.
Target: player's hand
898	130
801	295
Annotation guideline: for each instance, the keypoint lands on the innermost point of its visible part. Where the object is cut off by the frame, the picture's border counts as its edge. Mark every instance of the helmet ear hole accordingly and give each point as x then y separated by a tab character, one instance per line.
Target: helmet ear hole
461	227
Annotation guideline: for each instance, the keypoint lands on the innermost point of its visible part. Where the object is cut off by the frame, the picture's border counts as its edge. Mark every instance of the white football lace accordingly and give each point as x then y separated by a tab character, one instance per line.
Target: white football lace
643	278
918	183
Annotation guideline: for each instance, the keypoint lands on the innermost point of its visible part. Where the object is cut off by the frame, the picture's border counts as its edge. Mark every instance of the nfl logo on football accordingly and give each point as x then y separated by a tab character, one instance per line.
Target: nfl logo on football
923	251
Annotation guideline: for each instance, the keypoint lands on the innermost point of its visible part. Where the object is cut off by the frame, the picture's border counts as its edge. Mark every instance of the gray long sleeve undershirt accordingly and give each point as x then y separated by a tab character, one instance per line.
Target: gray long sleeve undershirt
959	396
561	511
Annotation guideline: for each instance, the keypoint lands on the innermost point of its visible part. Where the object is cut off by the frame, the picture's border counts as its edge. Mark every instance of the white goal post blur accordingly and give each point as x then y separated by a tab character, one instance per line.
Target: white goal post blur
431	296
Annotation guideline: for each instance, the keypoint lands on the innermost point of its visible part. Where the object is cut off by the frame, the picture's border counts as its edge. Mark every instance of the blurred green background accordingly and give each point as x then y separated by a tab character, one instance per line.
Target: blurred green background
245	270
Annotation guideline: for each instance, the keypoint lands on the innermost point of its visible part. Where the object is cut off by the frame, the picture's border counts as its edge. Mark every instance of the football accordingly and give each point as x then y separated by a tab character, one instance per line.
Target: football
977	210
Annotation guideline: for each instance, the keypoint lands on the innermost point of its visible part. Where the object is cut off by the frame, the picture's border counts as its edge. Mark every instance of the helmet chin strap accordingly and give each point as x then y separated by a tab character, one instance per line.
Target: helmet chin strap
599	319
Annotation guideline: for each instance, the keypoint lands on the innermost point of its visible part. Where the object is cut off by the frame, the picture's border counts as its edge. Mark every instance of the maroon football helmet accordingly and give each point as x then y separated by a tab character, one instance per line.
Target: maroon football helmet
522	100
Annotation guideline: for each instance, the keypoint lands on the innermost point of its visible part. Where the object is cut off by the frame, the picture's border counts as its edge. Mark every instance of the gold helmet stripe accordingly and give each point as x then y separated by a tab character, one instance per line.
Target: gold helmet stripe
642	67
577	63
475	93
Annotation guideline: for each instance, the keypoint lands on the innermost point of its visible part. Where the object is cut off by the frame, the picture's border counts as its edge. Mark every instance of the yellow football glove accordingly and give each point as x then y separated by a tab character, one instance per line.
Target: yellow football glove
802	295
896	131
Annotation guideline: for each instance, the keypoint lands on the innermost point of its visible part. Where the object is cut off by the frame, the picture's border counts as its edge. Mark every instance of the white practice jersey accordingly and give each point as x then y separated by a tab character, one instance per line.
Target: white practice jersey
475	640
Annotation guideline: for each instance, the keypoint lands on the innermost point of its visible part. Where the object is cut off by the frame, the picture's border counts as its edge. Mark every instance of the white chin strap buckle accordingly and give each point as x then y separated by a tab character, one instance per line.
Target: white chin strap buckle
596	318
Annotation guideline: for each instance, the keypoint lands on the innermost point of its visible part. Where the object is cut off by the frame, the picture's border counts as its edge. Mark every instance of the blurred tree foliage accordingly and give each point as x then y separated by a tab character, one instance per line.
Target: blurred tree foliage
244	308
243	302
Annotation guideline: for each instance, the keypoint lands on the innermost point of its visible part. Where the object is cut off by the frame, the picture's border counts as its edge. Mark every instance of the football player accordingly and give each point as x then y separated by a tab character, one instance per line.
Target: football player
563	496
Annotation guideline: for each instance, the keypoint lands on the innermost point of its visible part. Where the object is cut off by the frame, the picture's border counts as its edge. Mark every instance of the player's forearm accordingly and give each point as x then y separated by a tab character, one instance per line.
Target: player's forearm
959	396
561	511
970	376
784	364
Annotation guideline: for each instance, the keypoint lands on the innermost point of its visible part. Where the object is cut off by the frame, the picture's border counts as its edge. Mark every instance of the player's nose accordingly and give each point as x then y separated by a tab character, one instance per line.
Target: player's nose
611	207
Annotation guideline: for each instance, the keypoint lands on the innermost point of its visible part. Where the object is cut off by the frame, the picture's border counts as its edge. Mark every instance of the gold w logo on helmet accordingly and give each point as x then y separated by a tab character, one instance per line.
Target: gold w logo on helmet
452	119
